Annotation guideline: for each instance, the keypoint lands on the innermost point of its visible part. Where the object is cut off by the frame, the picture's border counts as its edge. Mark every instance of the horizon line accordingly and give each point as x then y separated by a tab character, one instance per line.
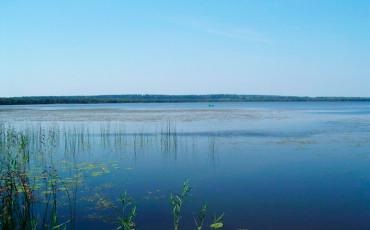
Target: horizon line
180	95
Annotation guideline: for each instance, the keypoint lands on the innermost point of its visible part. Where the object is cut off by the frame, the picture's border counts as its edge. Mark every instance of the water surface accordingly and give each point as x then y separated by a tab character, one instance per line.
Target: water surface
291	165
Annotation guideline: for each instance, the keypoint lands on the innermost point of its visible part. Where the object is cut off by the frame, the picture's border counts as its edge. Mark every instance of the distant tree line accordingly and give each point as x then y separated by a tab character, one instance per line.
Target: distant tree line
165	98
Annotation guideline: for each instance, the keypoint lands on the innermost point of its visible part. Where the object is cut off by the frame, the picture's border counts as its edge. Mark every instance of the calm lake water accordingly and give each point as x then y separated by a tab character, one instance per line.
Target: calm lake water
264	165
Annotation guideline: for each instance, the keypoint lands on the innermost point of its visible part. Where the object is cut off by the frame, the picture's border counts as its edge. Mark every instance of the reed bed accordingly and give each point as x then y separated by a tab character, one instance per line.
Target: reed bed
37	193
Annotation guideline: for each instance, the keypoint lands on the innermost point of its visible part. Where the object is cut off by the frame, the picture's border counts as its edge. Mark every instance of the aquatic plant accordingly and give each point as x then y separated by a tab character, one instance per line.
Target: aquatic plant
199	220
38	190
217	222
169	138
177	201
127	221
19	183
15	191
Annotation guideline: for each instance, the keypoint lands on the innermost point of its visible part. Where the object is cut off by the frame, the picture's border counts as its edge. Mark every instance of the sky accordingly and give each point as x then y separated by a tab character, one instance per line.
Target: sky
271	47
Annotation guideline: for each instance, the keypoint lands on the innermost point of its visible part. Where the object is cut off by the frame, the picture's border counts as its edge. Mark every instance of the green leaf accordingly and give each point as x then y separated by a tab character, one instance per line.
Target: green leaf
217	225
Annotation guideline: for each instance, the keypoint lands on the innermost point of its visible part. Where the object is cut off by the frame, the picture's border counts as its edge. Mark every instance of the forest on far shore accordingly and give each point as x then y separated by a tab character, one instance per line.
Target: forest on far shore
164	98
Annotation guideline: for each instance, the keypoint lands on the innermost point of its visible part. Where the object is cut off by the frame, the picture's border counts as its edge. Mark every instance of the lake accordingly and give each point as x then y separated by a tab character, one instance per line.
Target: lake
264	165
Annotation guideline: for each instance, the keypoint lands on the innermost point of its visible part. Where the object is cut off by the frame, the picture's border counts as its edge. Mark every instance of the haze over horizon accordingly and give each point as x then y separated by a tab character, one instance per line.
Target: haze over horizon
276	47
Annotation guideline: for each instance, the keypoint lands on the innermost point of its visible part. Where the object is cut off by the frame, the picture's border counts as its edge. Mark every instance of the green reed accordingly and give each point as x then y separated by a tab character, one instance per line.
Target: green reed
127	220
199	220
19	195
32	190
177	201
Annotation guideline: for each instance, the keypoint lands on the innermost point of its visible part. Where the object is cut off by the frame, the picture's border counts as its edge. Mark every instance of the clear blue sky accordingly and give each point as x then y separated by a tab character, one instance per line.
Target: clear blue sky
84	47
